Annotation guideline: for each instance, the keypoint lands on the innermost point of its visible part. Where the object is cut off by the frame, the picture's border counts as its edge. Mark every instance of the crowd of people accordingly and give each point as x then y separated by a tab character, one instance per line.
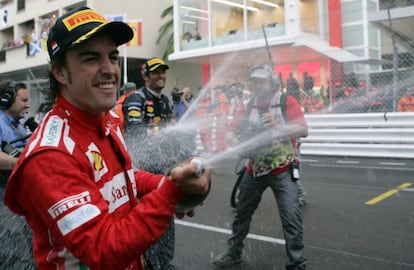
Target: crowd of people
406	102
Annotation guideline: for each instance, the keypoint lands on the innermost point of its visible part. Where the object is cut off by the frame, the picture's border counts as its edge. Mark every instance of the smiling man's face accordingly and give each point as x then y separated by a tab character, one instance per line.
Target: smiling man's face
91	75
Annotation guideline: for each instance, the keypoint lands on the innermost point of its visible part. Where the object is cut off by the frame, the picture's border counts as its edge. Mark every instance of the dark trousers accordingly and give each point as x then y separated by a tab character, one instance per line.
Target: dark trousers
286	194
160	255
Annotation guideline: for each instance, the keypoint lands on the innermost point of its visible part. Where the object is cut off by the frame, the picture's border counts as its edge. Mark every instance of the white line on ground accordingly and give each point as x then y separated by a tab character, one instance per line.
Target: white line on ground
282	242
227	231
347	161
393	163
308	160
363	167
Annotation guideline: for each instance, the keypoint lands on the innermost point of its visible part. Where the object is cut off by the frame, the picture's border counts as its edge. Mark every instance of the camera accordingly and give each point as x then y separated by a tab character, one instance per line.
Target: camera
176	94
31	124
251	136
247	130
11	150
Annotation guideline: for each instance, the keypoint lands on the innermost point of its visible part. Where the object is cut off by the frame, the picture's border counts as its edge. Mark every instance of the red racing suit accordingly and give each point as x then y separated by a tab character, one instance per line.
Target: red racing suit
88	209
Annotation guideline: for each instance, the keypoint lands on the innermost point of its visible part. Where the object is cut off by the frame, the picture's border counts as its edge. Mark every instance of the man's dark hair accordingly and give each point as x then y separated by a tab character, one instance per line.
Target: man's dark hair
14	84
59	61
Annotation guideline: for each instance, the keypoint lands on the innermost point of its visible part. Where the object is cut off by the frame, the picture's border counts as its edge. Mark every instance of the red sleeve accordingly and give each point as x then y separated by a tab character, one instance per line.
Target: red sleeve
238	116
294	112
102	238
148	182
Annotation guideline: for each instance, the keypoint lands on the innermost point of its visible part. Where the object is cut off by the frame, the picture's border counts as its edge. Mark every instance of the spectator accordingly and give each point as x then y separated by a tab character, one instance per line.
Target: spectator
15	236
188	97
246	97
74	182
235	103
406	103
44	107
182	101
14	103
177	103
269	166
126	90
292	87
308	83
213	108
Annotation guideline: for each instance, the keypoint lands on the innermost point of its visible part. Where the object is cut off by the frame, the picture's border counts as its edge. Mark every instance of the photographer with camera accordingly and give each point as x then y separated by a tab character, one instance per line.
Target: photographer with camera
182	100
270	165
177	102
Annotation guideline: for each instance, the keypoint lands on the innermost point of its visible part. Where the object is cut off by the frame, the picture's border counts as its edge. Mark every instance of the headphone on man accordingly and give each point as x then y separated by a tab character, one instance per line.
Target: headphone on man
275	79
8	95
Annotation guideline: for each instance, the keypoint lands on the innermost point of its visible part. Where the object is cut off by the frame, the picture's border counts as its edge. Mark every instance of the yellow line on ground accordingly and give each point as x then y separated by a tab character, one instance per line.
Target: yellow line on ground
387	194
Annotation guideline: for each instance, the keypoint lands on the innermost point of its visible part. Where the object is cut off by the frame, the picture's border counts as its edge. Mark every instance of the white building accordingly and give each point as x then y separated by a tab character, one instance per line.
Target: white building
329	39
23	18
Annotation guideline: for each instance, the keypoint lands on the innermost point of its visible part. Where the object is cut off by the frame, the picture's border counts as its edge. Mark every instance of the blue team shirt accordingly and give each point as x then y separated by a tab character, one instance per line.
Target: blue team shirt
11	129
179	109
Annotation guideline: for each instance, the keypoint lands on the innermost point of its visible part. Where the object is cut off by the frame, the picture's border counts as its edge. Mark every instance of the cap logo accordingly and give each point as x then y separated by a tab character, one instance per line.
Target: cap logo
82	17
155	61
54	45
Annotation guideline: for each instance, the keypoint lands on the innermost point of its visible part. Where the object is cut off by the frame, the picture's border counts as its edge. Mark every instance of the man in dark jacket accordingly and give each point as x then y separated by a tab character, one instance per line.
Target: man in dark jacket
147	112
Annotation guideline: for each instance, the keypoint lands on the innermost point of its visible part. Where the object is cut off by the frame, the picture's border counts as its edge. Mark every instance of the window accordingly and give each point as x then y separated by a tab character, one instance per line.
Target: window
21	5
2	56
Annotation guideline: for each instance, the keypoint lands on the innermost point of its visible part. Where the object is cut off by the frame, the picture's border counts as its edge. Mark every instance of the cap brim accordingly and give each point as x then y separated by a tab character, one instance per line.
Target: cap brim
260	74
157	66
121	32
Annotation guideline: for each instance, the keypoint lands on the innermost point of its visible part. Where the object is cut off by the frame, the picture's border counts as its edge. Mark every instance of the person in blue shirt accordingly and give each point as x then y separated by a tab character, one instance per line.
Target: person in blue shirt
178	104
14	103
182	100
187	97
15	235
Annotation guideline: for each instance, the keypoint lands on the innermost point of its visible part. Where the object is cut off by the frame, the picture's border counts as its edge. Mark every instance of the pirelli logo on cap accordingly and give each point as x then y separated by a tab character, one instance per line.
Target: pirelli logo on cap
82	17
155	61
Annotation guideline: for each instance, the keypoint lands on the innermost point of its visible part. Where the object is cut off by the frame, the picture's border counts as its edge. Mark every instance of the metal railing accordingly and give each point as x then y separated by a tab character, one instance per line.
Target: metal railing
386	135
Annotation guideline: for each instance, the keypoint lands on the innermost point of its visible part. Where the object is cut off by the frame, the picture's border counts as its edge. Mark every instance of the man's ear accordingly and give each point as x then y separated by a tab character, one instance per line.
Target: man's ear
59	73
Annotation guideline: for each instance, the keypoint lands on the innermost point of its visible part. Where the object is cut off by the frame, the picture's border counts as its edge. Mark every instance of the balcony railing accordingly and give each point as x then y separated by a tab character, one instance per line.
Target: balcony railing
273	30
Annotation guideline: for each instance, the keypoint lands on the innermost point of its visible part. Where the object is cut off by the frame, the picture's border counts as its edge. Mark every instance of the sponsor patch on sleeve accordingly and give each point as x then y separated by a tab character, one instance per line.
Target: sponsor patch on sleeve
134	113
53	131
77	218
67	203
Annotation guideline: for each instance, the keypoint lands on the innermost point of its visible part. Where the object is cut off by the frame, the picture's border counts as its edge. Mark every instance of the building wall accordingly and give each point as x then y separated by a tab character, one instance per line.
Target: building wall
18	65
149	12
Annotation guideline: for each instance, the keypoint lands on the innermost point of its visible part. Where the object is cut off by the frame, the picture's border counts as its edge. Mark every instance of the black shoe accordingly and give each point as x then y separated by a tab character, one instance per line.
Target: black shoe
225	259
302	200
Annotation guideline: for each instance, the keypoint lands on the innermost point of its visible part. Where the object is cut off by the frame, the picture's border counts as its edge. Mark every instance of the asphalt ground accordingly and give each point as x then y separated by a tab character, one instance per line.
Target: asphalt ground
359	215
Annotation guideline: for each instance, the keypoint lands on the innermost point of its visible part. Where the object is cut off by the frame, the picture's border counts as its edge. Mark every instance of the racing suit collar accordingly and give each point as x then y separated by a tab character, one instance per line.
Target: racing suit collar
87	120
155	94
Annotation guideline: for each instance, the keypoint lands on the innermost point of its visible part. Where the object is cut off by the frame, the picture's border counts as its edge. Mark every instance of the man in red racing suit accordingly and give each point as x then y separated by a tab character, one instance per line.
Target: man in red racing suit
74	182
